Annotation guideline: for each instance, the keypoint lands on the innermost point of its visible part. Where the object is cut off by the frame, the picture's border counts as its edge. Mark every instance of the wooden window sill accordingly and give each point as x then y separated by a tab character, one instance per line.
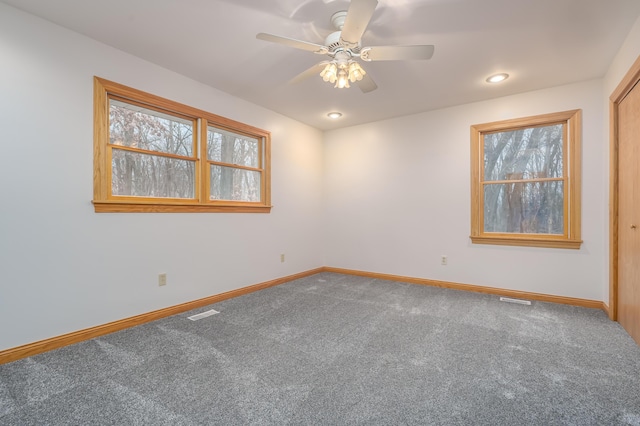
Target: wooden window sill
527	242
141	207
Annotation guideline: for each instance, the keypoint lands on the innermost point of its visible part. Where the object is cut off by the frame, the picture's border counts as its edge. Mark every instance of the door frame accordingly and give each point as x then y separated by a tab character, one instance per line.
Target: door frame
631	78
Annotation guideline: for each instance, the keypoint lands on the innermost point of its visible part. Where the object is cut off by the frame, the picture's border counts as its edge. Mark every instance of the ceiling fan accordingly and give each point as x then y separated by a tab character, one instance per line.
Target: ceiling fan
344	48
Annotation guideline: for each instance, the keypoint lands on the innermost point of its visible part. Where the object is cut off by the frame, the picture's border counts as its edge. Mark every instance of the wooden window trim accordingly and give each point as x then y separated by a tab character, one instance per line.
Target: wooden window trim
572	220
105	202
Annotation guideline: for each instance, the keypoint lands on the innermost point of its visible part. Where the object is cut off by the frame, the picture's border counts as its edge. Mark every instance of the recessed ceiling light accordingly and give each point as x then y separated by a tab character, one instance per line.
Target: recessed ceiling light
497	78
334	115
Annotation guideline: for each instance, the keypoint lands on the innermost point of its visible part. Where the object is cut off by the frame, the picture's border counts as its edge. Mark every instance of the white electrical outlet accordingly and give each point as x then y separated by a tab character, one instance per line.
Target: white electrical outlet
162	279
443	260
282	257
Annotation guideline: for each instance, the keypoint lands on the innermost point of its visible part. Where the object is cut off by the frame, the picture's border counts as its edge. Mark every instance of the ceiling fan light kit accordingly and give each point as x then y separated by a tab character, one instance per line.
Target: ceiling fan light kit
342	70
344	48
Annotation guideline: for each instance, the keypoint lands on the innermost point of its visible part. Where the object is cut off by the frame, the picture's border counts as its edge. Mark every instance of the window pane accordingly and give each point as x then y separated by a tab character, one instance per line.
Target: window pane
530	208
232	148
134	126
530	153
142	175
228	183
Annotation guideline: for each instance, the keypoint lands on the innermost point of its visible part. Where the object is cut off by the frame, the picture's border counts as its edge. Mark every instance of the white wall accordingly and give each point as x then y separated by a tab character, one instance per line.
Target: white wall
64	267
626	56
624	59
397	197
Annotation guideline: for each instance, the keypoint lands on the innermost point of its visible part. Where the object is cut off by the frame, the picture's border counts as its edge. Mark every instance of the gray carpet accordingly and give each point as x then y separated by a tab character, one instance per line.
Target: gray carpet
332	349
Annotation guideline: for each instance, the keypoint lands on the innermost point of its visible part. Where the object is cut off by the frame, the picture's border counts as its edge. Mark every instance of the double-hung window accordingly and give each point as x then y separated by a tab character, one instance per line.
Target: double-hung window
156	155
525	181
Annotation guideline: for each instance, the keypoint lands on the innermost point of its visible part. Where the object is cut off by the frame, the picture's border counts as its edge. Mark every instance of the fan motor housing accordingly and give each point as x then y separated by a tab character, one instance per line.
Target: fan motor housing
333	41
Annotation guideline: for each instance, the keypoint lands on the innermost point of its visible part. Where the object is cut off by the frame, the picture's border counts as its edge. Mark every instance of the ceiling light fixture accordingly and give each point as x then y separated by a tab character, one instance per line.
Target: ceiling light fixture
497	78
342	70
334	115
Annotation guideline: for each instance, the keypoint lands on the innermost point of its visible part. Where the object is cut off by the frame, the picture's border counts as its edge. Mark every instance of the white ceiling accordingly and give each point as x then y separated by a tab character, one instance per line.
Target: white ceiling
540	43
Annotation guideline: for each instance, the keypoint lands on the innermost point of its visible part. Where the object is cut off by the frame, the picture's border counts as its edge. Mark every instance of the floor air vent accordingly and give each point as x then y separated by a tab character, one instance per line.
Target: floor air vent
518	301
201	315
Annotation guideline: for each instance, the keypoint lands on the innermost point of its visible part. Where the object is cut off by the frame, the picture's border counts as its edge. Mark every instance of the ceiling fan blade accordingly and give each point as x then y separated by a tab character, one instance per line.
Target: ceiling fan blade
358	17
310	72
367	84
397	53
298	44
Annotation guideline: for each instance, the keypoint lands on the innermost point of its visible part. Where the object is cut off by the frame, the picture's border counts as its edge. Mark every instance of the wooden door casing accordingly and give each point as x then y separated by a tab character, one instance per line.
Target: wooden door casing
629	212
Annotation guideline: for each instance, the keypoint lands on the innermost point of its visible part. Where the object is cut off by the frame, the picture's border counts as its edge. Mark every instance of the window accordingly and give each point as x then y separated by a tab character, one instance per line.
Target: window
156	155
525	181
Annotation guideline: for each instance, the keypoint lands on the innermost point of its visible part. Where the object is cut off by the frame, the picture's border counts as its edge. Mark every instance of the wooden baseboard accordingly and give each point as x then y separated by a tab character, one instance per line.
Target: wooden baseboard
41	346
586	303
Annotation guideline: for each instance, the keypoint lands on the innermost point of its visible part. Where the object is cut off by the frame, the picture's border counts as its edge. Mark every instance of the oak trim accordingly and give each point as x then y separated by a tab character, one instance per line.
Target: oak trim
627	83
100	127
30	349
613	210
572	130
527	242
541	297
508	181
153	153
35	348
630	79
525	122
105	202
476	218
574	207
133	207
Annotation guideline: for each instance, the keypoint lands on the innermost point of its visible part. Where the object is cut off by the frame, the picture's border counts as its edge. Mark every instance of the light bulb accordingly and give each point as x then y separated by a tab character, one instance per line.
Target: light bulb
497	78
356	73
329	72
343	80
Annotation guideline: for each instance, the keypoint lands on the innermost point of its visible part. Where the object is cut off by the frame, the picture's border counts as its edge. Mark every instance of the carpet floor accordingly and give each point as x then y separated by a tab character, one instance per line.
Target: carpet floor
334	349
